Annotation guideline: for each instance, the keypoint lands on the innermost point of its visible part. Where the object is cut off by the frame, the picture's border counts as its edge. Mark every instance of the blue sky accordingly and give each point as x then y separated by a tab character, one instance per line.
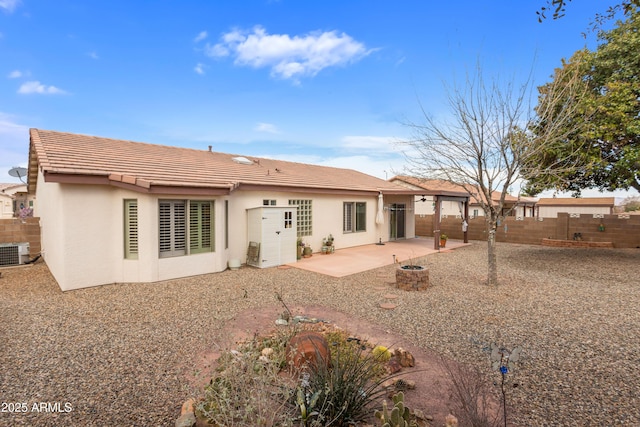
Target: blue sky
324	82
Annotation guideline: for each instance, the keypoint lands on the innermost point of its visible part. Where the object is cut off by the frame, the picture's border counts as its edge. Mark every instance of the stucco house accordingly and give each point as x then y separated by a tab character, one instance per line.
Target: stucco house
13	197
116	211
550	207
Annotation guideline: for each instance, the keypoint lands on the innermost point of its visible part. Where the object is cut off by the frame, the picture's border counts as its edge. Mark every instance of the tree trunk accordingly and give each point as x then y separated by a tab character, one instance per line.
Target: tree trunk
492	263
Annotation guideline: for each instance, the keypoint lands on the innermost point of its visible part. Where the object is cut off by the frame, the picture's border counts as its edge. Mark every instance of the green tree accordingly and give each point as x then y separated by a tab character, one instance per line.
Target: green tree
605	140
557	8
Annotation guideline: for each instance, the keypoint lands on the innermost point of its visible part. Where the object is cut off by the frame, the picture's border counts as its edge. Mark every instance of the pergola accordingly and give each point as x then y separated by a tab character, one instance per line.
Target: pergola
440	196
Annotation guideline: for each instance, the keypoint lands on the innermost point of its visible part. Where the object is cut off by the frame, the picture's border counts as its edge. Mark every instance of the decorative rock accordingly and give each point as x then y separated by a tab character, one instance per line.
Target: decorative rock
188	407
405	384
388	305
398	384
450	421
391	296
308	348
187	414
405	358
393	366
281	322
421	415
186	420
267	351
305	319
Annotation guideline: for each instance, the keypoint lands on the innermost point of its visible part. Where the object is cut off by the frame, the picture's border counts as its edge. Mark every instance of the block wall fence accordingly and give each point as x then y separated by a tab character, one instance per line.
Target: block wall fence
620	229
14	230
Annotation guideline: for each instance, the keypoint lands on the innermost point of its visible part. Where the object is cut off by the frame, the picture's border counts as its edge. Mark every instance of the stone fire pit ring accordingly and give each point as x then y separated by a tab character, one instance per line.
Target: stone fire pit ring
412	278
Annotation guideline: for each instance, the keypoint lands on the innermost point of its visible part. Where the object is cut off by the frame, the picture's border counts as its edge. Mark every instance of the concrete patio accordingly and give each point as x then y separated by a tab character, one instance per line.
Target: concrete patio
344	262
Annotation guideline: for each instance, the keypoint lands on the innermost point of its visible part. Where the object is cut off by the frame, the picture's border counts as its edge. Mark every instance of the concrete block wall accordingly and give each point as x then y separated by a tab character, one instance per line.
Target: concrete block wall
16	231
621	230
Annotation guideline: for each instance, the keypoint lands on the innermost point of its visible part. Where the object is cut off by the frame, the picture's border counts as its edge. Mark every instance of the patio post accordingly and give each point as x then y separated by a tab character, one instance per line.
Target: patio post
436	223
466	218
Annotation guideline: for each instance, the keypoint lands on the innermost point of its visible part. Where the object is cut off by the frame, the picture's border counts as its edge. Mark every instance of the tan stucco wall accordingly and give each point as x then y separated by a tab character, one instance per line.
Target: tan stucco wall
326	216
83	232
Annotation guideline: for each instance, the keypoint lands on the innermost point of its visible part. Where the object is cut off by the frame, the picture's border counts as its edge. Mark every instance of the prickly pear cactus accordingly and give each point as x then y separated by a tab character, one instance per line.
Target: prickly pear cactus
400	415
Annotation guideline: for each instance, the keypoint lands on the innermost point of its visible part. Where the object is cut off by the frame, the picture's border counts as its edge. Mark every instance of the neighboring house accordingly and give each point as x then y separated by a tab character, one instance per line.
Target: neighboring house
13	197
552	206
425	204
114	211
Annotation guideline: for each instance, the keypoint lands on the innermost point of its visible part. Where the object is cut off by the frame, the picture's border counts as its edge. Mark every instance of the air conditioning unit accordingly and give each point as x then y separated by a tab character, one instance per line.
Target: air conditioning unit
13	254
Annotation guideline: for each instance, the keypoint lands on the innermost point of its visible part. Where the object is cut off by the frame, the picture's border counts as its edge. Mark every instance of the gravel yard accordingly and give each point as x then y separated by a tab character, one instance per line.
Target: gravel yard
119	354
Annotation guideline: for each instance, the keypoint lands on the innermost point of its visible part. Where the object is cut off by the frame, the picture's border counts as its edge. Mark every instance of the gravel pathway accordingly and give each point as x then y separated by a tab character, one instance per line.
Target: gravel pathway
119	354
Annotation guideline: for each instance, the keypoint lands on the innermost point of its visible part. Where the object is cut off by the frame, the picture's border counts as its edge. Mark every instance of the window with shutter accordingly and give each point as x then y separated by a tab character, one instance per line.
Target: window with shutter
361	216
347	217
185	224
200	232
226	224
131	229
173	228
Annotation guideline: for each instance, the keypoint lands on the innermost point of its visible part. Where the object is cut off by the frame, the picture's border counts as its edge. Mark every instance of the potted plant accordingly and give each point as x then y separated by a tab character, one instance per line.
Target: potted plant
307	252
443	240
327	245
300	248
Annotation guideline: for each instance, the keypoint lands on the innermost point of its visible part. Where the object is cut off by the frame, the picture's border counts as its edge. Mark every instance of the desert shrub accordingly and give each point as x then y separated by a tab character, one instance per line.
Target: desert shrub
250	389
247	389
471	396
343	392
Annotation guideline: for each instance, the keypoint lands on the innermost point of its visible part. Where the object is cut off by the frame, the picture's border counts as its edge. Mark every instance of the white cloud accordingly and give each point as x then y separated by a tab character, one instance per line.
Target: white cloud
201	36
37	87
93	55
9	5
199	68
384	144
267	127
15	74
288	57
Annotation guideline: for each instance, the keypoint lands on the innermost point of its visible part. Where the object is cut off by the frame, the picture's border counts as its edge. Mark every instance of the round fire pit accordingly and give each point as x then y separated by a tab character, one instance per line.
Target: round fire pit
412	278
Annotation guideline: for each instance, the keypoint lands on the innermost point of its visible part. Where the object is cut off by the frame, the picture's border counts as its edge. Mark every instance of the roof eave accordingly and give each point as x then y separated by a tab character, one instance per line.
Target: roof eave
137	184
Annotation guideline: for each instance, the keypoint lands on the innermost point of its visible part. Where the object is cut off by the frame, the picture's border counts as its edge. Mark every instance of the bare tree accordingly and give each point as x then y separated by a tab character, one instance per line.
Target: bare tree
485	144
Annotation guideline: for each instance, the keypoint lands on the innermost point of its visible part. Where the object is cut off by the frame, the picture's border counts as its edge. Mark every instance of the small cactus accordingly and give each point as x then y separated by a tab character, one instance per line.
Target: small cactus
400	415
381	353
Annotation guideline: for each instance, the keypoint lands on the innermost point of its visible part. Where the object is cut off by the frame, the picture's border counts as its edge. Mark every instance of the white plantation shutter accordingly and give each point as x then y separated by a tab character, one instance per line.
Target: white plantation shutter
200	222
131	229
173	228
347	217
361	216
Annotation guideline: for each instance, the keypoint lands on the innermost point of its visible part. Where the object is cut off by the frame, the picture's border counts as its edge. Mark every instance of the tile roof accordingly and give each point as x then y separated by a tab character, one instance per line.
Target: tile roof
144	165
9	186
434	185
573	201
438	185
